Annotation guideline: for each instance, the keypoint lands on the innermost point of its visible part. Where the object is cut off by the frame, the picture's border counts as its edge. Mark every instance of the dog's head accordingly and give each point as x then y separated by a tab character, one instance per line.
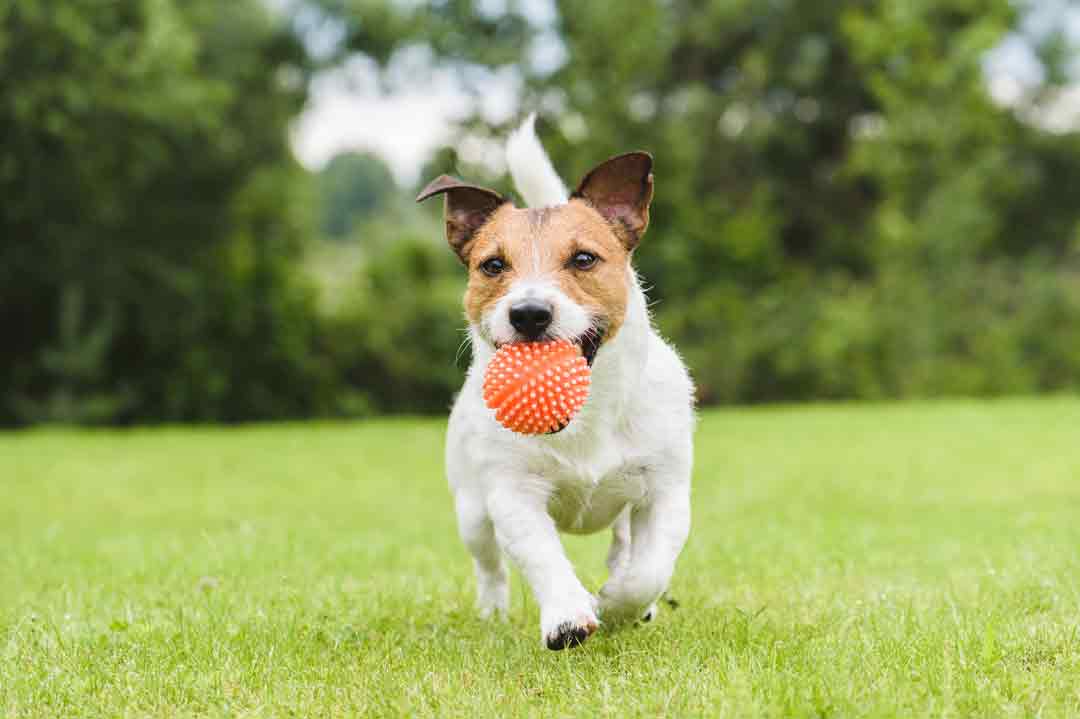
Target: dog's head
556	272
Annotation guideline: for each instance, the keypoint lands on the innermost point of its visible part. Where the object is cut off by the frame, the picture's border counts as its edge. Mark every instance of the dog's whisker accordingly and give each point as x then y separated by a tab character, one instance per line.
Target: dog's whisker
465	344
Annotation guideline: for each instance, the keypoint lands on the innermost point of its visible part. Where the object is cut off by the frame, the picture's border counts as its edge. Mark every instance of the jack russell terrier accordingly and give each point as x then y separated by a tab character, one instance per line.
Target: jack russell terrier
561	269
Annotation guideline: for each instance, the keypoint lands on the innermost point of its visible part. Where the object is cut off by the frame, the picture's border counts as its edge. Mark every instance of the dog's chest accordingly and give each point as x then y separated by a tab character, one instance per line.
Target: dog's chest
589	492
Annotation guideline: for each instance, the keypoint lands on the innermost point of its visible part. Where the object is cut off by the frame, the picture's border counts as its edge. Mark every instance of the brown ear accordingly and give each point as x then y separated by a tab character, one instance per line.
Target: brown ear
621	189
466	209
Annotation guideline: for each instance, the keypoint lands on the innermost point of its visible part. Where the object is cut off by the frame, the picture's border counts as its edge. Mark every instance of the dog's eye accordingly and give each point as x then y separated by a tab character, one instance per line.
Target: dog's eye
493	266
583	260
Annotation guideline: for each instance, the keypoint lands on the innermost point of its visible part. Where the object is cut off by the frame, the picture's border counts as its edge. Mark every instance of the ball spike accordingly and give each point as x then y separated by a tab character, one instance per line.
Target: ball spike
536	387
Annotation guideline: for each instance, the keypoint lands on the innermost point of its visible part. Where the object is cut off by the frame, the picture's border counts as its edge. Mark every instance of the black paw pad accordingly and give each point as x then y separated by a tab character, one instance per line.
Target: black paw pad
567	635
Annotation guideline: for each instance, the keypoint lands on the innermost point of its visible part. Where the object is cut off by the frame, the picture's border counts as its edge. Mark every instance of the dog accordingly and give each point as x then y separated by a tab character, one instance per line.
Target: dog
561	269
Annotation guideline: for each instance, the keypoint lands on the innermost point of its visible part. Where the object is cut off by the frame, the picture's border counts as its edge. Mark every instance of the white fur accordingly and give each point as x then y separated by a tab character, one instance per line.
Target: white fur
569	319
531	168
624	460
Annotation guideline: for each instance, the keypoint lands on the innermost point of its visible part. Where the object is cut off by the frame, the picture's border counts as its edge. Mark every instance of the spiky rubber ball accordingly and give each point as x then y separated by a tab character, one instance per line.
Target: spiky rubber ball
536	387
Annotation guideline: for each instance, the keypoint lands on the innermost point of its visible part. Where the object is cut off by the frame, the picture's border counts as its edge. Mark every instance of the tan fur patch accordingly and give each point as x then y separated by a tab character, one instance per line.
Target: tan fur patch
541	243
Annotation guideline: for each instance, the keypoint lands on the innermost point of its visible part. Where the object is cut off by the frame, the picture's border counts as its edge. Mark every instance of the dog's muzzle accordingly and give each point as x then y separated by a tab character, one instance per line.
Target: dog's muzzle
531	318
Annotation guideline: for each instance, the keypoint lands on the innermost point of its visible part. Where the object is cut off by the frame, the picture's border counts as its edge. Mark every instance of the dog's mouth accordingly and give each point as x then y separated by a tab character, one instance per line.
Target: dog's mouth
589	342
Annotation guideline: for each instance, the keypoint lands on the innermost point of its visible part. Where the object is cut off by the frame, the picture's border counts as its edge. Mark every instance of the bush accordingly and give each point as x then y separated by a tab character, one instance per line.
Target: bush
145	168
979	329
393	338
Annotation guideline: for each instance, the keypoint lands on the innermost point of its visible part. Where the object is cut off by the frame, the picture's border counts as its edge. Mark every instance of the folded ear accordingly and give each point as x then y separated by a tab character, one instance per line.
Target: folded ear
621	189
466	209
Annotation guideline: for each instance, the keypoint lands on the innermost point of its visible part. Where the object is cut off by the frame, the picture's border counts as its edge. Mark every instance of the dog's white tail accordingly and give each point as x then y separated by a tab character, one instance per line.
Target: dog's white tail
531	168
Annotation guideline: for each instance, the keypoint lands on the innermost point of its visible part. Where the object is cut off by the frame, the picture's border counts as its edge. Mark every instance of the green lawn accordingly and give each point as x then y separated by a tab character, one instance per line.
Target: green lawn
919	559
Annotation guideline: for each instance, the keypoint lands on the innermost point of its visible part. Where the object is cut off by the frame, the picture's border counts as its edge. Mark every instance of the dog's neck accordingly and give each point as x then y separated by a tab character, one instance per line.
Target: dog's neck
620	362
617	376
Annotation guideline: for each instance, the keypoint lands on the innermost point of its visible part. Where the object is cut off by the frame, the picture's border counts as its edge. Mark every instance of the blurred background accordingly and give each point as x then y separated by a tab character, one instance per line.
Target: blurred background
206	206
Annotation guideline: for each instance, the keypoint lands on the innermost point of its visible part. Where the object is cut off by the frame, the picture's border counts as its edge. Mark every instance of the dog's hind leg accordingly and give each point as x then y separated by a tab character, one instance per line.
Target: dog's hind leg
478	534
658	531
619	553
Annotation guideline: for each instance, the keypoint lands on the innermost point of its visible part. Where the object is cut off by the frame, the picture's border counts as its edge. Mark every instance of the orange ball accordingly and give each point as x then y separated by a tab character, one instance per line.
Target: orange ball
536	387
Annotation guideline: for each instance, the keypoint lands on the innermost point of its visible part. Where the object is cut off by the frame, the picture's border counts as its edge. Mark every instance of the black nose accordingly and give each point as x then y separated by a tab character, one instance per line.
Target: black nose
530	317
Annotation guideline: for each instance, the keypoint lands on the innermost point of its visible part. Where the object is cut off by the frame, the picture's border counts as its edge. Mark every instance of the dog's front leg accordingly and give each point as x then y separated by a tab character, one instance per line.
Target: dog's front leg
478	534
528	535
658	531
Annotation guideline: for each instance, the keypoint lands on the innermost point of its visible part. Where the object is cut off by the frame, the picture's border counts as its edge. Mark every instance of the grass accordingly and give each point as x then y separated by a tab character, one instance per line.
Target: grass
919	559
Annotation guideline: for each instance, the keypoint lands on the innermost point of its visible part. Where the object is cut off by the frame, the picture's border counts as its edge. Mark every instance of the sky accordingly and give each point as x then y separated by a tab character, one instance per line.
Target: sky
349	110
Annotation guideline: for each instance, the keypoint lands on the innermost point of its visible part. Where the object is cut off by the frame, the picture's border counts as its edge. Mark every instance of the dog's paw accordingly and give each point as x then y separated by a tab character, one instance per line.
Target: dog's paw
619	611
562	630
633	598
492	595
494	604
492	613
654	608
569	634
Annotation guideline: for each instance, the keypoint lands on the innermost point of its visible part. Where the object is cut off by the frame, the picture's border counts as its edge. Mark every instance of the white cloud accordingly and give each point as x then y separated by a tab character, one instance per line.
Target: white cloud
348	111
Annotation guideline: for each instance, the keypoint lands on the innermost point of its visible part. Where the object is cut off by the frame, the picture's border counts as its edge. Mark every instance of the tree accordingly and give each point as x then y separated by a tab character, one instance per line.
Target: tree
833	179
145	161
352	186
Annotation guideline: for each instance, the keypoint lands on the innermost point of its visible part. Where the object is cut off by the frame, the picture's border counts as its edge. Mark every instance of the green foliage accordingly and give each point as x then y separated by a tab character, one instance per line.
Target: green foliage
351	187
979	329
841	209
395	334
145	161
910	560
74	370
